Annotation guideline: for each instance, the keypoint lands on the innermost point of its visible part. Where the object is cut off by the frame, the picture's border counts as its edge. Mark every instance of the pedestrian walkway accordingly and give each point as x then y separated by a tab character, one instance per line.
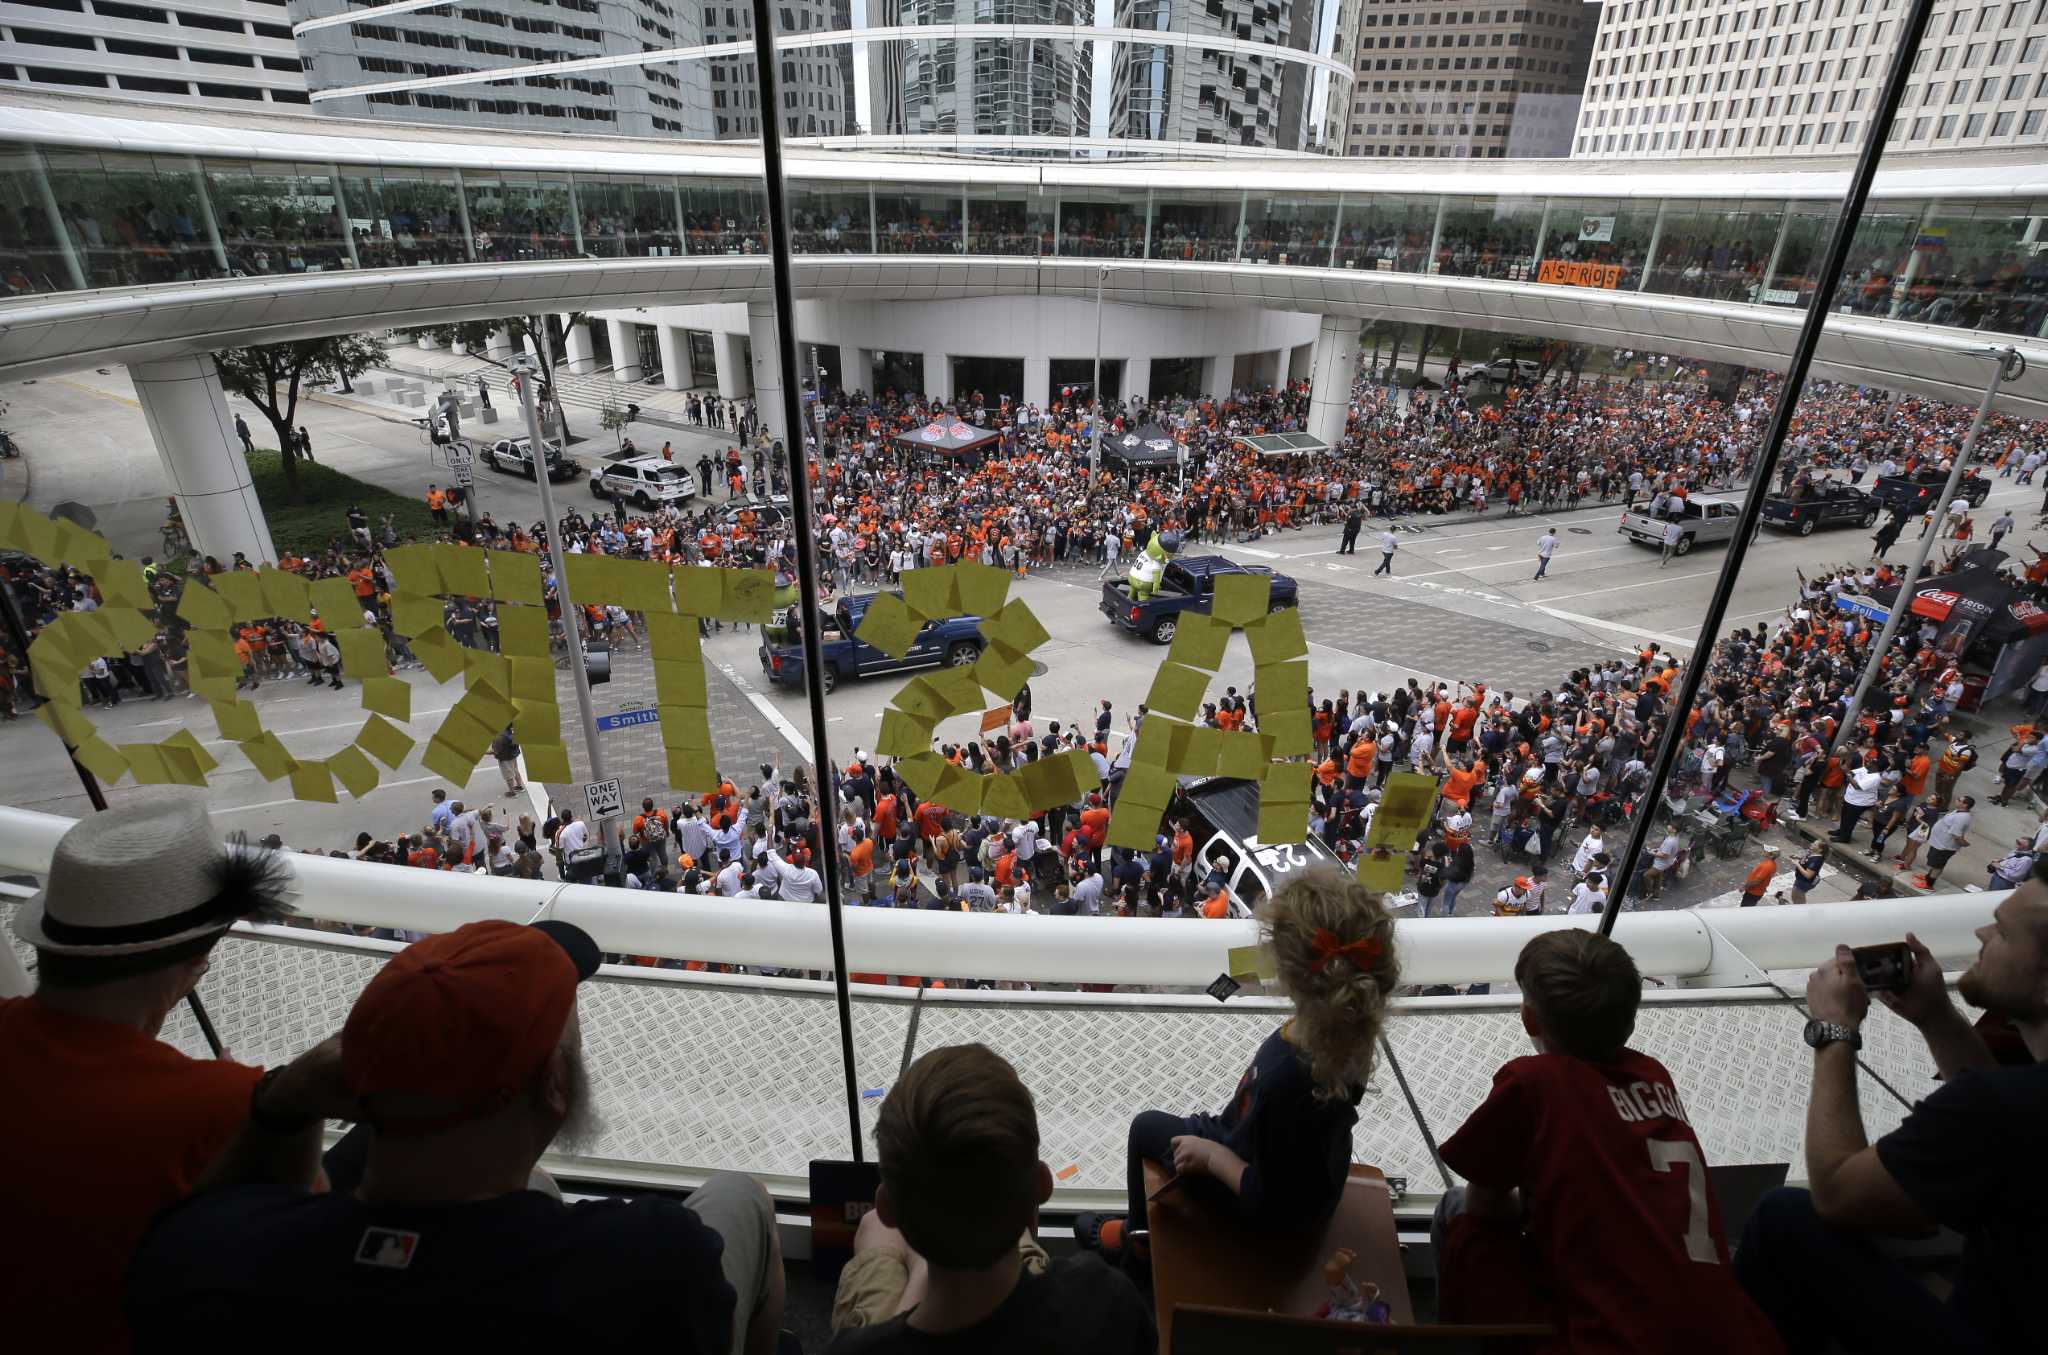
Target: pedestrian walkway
659	405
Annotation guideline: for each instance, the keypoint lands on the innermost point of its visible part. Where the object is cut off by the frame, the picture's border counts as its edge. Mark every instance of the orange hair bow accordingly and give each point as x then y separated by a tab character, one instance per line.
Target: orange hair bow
1363	953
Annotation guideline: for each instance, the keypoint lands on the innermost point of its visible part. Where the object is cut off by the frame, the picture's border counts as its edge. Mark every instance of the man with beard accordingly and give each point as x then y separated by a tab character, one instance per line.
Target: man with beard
461	1062
1966	1158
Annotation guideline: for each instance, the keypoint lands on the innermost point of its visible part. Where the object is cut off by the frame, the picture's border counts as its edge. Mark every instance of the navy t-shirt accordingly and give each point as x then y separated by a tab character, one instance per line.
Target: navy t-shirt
1296	1149
1078	1307
517	1271
1969	1156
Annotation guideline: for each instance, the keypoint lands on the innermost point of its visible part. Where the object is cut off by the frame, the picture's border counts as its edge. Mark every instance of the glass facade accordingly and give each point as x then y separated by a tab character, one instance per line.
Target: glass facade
132	219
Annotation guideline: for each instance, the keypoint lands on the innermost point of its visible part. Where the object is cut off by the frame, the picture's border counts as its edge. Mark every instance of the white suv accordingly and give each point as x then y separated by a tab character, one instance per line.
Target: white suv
644	482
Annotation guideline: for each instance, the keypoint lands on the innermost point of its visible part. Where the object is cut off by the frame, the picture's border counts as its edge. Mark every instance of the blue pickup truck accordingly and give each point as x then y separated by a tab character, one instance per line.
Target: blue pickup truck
1188	583
953	642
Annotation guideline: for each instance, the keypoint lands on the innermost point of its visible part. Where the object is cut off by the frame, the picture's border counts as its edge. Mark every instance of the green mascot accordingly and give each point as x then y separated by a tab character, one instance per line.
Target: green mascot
1144	575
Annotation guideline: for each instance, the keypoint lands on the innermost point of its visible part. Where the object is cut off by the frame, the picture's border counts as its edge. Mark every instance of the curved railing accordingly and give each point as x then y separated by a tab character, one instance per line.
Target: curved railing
1688	946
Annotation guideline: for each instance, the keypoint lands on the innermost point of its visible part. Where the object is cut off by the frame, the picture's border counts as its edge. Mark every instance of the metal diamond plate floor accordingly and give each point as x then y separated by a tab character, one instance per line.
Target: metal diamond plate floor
695	1075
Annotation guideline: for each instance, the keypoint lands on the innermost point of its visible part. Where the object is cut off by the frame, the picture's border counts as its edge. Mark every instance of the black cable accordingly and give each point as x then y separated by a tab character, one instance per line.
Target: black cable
1830	277
801	458
1416	1111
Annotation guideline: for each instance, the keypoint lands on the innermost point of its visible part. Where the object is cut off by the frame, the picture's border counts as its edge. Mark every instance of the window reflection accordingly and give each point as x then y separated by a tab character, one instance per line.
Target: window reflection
132	219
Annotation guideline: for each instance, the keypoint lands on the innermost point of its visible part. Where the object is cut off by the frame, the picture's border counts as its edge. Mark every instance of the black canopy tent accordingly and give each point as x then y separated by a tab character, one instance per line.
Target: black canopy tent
1999	634
949	437
1146	445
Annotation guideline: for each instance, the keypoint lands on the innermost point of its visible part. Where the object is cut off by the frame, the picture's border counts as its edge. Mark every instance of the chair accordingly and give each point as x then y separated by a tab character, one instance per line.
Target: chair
1202	1255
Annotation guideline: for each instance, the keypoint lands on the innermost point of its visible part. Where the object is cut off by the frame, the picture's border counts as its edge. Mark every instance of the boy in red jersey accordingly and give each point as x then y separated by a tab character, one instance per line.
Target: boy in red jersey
1588	1204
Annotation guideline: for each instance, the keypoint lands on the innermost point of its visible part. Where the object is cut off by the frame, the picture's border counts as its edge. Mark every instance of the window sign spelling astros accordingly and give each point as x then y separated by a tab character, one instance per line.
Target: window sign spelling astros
515	686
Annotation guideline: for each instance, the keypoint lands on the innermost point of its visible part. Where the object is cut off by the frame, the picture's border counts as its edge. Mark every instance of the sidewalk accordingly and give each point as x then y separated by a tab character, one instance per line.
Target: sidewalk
659	406
1993	828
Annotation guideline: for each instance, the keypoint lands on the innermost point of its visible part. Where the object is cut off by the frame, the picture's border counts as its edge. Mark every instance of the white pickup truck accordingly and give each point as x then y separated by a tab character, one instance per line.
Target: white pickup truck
1699	519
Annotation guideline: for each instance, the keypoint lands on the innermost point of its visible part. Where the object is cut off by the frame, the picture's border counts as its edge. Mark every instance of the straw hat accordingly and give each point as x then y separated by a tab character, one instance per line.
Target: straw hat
149	874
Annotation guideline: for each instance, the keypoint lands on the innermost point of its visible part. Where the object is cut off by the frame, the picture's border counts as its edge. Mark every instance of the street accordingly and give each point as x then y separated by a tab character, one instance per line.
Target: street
1460	606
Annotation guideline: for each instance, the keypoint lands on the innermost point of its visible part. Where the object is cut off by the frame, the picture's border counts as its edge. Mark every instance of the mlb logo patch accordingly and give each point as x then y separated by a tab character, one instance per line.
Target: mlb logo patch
390	1248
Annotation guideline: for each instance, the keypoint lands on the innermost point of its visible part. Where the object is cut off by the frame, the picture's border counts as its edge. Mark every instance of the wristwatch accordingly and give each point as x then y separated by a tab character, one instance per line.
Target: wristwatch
1820	1034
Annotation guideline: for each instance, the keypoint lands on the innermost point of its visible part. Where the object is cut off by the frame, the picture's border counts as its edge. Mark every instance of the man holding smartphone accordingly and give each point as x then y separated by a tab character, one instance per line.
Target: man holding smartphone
1965	1158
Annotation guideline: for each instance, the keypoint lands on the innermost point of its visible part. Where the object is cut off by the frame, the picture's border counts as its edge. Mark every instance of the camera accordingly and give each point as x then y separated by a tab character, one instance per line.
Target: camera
1886	968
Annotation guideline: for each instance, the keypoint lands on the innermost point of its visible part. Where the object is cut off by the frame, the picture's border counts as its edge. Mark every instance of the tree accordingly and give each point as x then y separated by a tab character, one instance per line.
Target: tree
269	377
613	418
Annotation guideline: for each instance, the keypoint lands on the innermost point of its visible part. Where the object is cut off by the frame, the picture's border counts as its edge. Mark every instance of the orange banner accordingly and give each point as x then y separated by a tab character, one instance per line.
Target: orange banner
1565	273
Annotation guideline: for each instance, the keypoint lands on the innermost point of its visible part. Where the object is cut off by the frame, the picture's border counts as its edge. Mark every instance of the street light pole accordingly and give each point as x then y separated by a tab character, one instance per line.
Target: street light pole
2010	366
1095	424
524	365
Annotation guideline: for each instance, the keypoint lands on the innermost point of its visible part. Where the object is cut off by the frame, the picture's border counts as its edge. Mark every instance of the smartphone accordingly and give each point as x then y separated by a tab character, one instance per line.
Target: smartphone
1886	968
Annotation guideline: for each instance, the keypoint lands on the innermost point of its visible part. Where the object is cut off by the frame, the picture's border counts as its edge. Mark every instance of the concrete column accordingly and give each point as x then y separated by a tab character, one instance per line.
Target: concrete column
498	346
624	336
767	369
860	368
1137	381
734	381
938	376
1336	362
1038	381
188	416
675	358
1217	369
579	359
1301	362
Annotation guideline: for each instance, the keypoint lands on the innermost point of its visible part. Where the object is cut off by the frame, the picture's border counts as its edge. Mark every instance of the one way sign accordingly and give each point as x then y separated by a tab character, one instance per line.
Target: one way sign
603	798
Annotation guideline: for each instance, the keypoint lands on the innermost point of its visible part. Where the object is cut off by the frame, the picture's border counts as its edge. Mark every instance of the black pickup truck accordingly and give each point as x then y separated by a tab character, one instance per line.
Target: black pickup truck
1188	583
1914	493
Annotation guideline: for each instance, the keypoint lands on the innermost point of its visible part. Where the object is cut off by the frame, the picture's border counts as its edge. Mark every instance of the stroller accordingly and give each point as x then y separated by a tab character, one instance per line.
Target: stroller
1736	817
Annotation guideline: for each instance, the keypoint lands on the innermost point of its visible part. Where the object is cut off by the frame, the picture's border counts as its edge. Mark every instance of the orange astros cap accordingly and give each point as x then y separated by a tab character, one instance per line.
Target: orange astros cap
465	1019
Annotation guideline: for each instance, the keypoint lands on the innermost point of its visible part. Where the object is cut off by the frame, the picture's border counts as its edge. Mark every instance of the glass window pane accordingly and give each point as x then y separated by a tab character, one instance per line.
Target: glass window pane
1102	223
133	218
625	216
277	218
520	216
1387	232
1002	219
31	254
911	222
1982	267
1611	232
1488	237
1714	250
1197	226
829	218
403	216
726	217
1297	227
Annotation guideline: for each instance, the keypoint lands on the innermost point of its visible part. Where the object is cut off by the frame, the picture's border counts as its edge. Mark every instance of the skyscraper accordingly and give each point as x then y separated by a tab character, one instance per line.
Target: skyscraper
1444	79
669	99
1718	78
225	52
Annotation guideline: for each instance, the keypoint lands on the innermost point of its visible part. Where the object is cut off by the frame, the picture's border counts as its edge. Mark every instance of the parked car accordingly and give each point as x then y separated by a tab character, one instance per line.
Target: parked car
1502	371
644	481
954	642
514	456
1916	492
1188	583
1826	503
1701	519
